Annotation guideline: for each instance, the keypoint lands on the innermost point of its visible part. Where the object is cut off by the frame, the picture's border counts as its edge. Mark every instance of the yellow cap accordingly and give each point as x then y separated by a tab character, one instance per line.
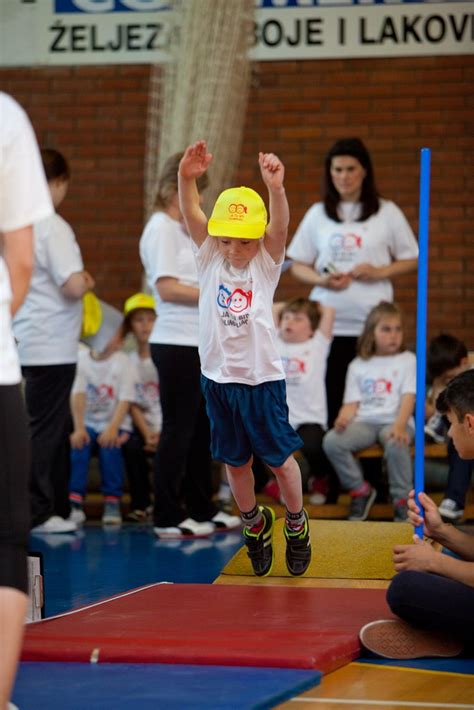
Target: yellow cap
91	315
138	300
239	212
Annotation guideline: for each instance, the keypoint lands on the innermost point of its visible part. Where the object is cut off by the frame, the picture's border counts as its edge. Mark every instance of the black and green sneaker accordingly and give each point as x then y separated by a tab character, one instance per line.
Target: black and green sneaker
298	548
259	545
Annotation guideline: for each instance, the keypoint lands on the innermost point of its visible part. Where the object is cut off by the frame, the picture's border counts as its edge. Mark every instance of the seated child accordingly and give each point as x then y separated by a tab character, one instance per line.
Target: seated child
447	357
145	411
303	342
379	400
239	255
100	400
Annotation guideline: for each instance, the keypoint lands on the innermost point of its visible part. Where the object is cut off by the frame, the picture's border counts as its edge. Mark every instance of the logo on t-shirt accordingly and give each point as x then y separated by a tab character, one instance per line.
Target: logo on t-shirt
375	391
147	394
99	397
345	246
293	367
234	305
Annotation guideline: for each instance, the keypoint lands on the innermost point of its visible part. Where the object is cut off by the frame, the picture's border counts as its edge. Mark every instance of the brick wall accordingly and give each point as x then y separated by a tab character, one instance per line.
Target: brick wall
97	117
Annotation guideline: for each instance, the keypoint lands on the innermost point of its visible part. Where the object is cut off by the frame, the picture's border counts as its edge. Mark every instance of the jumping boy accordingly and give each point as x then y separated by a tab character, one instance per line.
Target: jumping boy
239	258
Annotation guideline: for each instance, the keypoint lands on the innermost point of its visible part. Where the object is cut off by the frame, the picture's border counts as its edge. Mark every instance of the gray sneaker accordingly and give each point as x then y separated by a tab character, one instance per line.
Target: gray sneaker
361	505
112	514
449	509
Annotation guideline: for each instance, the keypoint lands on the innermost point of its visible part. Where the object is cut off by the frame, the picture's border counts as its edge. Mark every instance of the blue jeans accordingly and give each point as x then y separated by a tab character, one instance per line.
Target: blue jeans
339	448
110	463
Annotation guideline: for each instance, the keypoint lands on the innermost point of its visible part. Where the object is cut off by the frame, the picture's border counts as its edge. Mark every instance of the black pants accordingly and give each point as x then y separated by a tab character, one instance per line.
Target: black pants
182	466
459	476
137	466
343	350
14	498
434	603
47	391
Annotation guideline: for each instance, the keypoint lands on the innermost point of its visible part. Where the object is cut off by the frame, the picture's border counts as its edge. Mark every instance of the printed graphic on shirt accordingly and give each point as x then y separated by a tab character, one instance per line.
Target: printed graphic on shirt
98	398
345	246
294	368
234	304
147	394
375	391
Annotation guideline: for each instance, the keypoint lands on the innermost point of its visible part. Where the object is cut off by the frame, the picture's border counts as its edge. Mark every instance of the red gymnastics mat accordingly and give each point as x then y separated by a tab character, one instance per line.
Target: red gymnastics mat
241	625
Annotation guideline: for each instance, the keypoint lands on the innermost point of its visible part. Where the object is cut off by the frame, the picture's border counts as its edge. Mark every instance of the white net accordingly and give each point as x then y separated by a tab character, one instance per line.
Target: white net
202	92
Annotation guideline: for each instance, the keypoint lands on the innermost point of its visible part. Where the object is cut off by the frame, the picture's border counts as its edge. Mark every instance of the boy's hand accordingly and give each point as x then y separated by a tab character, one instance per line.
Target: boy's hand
399	433
429	517
79	438
108	439
420	556
272	170
195	161
151	441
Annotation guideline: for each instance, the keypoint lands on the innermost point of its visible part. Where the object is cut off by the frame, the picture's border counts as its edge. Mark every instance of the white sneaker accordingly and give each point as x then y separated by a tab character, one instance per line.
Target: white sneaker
188	528
77	515
449	509
223	521
317	498
55	524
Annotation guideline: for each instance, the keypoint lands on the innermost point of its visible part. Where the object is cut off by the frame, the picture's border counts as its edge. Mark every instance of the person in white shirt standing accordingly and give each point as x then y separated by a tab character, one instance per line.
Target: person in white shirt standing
24	199
47	328
379	400
183	504
348	247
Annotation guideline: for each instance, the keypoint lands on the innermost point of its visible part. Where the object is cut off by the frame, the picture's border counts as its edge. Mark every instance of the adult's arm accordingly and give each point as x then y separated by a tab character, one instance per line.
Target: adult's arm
170	289
18	256
77	285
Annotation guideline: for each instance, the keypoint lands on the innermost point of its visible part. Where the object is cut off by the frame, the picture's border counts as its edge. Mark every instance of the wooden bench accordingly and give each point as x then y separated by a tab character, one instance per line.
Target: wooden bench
432	451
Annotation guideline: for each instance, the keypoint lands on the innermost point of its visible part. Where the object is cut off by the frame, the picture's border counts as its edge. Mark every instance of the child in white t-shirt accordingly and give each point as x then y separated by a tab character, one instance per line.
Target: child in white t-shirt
303	342
140	316
239	258
100	401
379	400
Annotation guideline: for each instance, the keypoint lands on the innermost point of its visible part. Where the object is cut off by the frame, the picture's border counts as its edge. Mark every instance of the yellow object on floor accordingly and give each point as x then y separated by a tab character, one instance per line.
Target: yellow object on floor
341	549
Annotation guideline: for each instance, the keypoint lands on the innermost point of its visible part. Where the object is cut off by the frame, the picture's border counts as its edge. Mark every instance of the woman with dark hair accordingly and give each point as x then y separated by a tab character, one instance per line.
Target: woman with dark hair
348	247
182	468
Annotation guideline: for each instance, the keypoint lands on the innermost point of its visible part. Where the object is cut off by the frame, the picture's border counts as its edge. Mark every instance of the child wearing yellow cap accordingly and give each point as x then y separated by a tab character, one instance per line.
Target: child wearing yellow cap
145	411
239	258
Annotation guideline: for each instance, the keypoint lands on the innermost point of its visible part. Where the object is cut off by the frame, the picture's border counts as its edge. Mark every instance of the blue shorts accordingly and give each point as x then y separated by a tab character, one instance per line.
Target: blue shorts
249	419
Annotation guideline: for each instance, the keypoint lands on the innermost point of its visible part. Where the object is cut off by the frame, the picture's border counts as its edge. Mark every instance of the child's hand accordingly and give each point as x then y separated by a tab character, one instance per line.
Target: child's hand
108	439
195	161
399	434
272	170
341	422
337	282
79	438
365	272
151	441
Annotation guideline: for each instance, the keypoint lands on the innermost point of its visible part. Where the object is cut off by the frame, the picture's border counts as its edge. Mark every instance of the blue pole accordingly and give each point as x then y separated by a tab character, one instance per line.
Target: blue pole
422	295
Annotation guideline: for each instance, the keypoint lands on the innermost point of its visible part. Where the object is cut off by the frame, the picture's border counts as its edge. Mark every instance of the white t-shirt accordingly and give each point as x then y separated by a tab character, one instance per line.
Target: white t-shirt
24	199
165	250
237	338
48	325
147	390
305	370
383	238
378	385
105	383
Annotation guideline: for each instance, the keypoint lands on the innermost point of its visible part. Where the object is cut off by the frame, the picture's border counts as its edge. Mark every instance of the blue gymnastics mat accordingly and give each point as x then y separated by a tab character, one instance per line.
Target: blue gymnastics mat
117	686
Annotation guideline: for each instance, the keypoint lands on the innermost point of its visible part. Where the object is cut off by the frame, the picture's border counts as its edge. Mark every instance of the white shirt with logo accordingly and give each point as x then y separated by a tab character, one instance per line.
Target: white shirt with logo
166	251
105	383
48	325
147	390
378	384
24	199
305	369
320	241
237	337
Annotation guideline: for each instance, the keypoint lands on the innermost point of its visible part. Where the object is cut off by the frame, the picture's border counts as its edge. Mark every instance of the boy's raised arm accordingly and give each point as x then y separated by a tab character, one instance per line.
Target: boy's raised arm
194	163
276	234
